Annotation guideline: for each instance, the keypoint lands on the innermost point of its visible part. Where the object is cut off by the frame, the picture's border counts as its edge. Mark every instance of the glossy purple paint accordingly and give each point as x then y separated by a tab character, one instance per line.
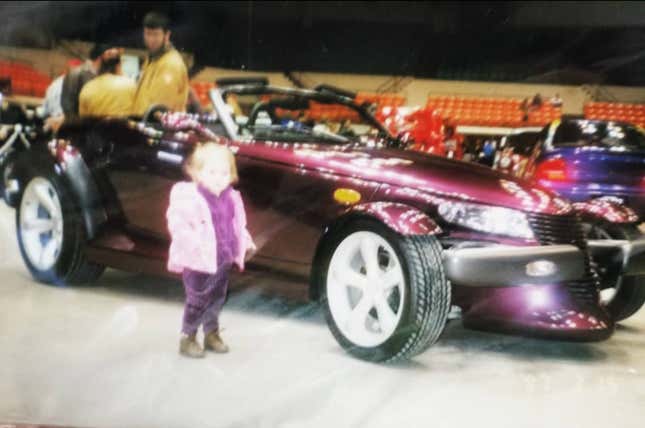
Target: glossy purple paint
411	185
542	311
288	191
401	218
609	211
62	151
429	176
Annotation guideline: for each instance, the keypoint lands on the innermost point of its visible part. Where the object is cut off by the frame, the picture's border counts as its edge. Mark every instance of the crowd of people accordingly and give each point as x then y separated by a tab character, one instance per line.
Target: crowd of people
97	87
480	150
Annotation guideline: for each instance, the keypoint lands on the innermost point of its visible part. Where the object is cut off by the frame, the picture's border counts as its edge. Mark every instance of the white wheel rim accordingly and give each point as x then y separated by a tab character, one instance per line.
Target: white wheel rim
41	224
365	289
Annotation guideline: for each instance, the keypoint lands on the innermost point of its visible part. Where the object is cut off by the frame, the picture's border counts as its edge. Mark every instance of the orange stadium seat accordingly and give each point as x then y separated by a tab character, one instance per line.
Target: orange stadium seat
633	113
489	111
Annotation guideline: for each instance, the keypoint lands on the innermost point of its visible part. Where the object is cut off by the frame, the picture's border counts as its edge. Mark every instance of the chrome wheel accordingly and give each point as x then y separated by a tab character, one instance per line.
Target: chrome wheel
41	224
366	289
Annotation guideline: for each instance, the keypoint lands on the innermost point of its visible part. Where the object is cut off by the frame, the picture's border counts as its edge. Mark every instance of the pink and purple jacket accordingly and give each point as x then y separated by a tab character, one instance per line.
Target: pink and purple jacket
194	244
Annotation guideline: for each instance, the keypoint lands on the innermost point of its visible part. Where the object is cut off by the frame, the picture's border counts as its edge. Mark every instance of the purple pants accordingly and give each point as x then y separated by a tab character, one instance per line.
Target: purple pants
205	295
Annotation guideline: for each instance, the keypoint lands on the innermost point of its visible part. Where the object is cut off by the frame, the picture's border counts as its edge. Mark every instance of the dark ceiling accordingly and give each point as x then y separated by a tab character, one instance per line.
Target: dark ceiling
561	42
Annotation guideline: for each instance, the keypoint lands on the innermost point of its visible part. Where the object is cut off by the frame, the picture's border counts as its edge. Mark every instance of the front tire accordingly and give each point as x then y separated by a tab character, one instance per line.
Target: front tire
51	235
386	297
621	296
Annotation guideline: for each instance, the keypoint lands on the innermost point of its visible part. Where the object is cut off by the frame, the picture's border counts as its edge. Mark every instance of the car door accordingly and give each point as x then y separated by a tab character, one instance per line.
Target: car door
142	173
289	199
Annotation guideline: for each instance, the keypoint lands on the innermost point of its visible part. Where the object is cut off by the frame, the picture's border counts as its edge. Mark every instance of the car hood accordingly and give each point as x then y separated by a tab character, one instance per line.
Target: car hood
433	175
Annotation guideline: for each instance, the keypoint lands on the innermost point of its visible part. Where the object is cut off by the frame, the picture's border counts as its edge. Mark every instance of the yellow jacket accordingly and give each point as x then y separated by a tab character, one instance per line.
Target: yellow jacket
164	80
107	95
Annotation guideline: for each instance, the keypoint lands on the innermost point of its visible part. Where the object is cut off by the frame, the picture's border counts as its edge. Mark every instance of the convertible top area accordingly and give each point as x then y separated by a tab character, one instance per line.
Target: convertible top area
323	94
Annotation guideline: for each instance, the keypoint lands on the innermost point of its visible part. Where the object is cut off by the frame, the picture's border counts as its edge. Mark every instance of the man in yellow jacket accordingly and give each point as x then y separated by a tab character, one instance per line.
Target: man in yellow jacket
108	94
164	78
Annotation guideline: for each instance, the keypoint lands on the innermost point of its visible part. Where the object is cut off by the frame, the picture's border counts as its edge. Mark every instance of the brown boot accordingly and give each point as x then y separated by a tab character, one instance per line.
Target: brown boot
212	342
189	347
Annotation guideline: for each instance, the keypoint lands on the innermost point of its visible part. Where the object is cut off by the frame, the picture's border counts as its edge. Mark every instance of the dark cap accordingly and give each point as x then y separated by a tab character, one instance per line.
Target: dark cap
156	20
98	50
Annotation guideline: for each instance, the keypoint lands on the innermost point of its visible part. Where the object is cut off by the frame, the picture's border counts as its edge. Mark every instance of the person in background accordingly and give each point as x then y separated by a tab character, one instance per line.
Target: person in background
524	107
77	78
556	101
487	155
468	151
453	142
164	78
536	102
52	108
52	103
108	94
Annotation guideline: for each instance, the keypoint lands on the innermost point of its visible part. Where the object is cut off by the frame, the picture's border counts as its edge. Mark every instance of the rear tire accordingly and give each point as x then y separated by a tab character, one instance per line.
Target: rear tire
51	233
628	292
417	305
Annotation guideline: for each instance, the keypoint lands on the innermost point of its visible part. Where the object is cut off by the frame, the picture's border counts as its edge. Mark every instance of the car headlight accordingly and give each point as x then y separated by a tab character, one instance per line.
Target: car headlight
484	218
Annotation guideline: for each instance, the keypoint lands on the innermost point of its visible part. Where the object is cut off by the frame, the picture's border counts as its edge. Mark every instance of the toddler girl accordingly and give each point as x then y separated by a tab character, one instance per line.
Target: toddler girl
207	224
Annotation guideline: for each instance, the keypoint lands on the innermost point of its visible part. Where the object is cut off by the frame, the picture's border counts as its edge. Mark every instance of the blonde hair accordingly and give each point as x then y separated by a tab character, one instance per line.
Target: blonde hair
204	152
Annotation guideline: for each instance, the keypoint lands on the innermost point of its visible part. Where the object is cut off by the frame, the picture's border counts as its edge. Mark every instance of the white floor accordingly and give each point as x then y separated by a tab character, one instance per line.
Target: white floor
106	356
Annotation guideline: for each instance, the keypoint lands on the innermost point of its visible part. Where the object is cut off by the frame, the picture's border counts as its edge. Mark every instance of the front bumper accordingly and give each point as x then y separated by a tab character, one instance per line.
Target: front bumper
511	266
499	292
626	258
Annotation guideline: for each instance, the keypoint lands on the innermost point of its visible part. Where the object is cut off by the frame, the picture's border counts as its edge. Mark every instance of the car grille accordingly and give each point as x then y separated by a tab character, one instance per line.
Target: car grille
558	229
567	229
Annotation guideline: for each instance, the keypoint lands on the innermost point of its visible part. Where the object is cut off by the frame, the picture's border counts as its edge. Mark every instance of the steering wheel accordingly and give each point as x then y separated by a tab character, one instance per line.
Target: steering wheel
153	113
255	111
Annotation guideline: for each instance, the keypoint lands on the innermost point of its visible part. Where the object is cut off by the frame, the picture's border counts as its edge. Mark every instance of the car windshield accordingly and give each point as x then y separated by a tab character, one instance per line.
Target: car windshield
294	118
612	135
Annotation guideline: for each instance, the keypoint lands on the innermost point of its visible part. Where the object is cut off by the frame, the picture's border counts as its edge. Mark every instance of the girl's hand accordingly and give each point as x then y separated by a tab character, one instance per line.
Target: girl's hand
250	252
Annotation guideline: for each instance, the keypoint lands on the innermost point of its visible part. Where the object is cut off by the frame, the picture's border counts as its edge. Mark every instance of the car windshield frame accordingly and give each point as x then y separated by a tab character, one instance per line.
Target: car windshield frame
218	96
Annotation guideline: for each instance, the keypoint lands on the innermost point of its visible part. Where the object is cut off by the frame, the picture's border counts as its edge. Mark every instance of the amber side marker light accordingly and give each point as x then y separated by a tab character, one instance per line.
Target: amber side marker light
347	196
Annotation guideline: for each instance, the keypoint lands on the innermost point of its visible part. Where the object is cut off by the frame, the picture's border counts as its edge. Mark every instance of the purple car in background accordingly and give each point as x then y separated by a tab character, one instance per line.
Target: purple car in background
600	167
585	160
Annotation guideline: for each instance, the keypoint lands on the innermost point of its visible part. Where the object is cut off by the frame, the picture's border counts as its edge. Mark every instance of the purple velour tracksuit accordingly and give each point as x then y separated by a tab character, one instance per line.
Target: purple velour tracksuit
205	293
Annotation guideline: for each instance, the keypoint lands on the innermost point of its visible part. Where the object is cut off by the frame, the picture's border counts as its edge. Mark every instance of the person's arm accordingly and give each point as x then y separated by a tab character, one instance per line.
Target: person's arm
240	214
48	103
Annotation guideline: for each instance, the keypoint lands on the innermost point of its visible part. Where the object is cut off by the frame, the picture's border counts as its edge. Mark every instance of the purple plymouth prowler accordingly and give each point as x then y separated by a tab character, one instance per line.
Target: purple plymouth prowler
389	240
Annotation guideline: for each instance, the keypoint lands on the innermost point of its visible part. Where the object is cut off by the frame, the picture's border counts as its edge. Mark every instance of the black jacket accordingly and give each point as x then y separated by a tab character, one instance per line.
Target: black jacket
72	85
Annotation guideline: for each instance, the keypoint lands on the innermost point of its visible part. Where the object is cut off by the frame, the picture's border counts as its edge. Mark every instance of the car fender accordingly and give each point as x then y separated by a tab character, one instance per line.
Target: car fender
402	219
605	209
65	161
